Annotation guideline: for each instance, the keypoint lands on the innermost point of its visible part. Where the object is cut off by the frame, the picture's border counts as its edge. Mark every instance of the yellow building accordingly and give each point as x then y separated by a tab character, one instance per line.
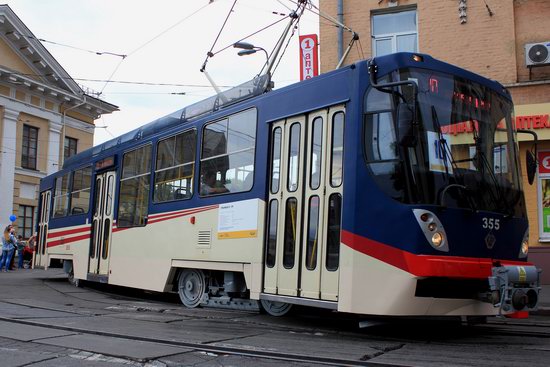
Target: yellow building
505	40
44	117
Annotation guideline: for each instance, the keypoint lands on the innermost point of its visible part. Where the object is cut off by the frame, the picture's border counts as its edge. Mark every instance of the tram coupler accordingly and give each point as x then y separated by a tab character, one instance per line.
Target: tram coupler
514	288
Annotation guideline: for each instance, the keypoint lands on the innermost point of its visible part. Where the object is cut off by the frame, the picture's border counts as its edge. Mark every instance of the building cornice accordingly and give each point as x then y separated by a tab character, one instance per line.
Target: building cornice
31	173
50	78
527	84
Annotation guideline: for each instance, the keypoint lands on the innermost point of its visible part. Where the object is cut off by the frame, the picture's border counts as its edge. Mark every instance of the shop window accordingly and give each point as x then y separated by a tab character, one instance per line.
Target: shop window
544	196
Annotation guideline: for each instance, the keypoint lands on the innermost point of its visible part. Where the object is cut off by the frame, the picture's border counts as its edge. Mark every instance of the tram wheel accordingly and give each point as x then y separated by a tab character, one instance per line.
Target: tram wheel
275	308
191	287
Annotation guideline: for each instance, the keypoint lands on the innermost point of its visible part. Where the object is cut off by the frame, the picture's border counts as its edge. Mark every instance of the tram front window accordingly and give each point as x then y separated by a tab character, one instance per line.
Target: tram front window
463	155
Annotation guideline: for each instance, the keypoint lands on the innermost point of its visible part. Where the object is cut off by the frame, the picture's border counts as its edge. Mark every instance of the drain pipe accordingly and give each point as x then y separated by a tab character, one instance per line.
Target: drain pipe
62	141
340	15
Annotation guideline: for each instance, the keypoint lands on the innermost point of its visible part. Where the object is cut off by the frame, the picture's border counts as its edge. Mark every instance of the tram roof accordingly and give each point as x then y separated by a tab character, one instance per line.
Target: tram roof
256	89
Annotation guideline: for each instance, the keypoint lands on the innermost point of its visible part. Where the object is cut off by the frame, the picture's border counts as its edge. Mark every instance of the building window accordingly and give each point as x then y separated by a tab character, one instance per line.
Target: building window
133	199
394	32
69	147
30	147
25	220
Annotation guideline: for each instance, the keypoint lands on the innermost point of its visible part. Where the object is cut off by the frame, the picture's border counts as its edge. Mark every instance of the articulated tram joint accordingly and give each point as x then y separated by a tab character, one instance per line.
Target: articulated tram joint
514	288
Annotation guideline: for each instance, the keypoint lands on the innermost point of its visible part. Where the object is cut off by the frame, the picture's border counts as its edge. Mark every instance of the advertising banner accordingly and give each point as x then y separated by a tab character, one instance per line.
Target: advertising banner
309	59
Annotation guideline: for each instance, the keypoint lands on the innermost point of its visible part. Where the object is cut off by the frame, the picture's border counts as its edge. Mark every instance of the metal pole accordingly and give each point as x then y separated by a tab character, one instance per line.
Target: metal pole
62	140
340	14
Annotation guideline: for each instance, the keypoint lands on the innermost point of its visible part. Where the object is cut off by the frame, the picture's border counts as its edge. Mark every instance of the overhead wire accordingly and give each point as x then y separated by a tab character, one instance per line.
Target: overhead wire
100	53
118	81
251	34
149	41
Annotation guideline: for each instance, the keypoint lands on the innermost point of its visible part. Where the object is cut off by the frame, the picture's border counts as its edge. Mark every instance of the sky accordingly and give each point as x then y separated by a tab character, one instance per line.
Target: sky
166	42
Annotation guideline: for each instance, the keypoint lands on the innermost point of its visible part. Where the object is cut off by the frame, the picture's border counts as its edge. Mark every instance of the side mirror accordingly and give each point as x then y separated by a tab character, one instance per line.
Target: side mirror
405	124
530	156
531	166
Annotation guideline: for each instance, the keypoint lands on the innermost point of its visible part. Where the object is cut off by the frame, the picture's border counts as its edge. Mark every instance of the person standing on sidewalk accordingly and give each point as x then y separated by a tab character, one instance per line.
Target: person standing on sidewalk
8	246
20	250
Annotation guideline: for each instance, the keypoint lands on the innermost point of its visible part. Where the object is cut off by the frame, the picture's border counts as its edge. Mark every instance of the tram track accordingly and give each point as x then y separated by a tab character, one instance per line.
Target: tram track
224	346
214	349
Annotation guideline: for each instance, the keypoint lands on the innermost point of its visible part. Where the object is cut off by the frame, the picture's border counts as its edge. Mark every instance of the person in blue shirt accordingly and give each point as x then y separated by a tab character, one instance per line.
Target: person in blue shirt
8	246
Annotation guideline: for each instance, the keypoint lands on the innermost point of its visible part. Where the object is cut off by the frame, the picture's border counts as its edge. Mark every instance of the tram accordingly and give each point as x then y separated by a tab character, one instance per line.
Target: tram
388	187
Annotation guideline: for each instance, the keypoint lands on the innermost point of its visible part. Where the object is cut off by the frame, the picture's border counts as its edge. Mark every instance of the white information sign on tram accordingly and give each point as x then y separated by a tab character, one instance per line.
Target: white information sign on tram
238	219
438	161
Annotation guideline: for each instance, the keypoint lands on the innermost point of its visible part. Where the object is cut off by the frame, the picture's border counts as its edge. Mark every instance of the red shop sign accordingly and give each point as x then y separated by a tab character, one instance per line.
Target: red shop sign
544	162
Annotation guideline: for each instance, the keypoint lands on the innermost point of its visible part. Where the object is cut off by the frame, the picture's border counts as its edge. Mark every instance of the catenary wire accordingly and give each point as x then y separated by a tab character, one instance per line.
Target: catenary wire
149	41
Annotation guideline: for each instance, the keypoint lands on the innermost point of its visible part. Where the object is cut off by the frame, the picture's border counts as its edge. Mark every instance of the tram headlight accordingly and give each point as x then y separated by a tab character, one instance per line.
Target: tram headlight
432	228
524	250
437	239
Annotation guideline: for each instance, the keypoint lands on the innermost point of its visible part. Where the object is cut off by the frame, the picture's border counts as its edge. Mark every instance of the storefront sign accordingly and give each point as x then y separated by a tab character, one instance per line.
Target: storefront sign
522	122
544	162
309	59
533	122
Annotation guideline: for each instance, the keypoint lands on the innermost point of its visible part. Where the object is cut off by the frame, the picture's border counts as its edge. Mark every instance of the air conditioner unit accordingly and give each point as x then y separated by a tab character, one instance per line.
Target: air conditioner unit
537	53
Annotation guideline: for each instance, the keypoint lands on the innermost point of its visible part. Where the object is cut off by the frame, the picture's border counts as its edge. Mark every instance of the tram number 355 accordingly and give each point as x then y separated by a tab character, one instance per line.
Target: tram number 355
491	223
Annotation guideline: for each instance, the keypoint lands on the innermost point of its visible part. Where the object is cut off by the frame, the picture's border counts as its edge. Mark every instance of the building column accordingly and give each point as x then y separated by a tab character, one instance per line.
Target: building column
54	147
8	153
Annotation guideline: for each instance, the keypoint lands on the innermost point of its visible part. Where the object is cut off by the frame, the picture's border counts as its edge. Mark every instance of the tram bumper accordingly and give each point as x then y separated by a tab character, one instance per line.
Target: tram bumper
514	288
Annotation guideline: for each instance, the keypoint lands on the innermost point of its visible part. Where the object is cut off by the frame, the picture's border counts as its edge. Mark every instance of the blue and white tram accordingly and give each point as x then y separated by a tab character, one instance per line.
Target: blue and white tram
388	187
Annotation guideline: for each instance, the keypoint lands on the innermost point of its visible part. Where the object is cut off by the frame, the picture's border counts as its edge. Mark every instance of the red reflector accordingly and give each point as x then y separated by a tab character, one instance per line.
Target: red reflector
518	315
192	220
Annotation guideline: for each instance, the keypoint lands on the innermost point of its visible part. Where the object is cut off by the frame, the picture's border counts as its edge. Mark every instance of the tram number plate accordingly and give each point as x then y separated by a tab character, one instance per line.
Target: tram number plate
491	223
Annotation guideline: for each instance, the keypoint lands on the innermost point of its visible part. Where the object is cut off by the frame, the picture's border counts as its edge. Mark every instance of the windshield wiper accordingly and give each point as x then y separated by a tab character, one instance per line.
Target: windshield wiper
499	201
448	155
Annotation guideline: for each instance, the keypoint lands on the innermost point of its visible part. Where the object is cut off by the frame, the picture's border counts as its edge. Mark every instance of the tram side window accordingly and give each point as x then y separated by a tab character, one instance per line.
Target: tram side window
61	198
134	188
227	158
175	167
80	195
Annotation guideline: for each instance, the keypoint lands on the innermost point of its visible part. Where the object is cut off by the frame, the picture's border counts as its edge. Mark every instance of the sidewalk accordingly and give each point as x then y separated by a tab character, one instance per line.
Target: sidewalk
544	301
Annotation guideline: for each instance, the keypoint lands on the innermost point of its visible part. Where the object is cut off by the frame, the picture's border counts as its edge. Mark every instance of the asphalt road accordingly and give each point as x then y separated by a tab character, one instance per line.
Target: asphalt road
44	321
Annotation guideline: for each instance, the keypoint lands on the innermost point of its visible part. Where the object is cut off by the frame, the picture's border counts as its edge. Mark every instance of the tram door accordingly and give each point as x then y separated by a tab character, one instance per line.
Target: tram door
40	251
102	223
304	210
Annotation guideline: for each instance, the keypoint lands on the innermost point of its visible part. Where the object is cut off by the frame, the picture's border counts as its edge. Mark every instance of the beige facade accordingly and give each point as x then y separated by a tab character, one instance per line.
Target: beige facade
486	40
36	95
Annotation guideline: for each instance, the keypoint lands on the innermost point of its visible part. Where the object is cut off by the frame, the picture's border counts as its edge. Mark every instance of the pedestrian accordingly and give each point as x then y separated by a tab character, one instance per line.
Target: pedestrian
20	251
8	246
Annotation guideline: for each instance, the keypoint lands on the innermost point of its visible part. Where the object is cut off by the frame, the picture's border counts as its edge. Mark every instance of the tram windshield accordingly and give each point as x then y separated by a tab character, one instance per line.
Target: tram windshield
462	152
